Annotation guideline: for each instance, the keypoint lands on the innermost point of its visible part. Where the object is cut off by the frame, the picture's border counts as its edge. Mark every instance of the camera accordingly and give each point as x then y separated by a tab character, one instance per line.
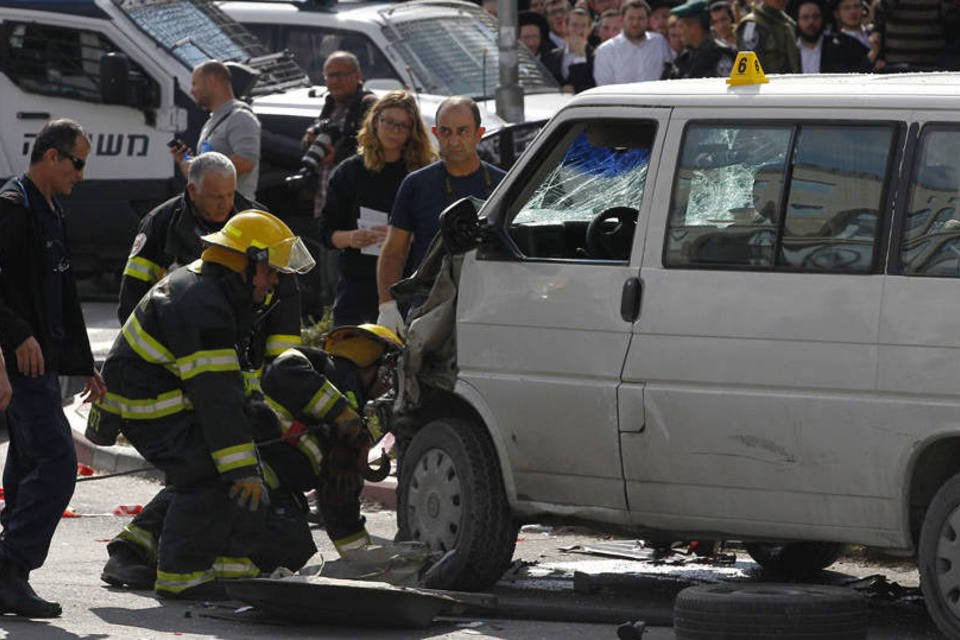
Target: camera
328	134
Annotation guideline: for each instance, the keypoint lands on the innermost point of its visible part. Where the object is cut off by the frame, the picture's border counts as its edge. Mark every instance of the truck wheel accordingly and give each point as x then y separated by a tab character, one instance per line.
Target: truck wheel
736	611
794	558
452	497
939	558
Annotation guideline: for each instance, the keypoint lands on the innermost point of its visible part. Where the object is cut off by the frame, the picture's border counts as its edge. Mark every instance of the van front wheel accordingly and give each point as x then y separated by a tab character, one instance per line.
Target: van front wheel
939	558
452	498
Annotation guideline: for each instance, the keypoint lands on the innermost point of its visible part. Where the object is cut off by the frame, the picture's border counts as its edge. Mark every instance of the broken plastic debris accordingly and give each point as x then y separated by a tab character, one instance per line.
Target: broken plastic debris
84	470
128	510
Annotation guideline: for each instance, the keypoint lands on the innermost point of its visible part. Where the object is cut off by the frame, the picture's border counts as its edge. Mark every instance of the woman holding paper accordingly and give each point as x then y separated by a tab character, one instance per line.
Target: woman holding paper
392	142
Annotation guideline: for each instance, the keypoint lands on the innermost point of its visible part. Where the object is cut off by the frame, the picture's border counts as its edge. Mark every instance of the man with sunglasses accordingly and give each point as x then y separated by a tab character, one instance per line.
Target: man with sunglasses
43	335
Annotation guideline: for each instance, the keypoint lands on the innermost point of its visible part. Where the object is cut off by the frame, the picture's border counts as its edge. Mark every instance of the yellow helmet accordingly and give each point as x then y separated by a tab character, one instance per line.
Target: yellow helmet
262	237
363	344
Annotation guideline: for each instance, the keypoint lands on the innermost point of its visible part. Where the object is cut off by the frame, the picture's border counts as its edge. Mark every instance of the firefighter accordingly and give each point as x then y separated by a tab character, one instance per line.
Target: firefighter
178	395
306	387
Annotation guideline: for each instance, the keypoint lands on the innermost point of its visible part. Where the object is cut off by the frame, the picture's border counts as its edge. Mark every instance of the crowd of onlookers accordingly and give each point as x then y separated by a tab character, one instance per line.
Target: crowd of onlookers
596	42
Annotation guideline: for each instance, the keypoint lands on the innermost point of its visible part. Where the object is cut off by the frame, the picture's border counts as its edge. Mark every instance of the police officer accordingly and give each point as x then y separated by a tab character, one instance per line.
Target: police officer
178	396
703	55
772	34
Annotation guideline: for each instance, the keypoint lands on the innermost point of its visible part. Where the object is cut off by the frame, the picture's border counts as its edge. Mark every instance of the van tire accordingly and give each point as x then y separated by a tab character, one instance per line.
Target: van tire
939	558
794	558
452	497
735	611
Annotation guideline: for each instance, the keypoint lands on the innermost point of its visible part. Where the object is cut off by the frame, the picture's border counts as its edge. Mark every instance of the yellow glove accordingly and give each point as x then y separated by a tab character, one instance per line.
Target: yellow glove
249	493
349	425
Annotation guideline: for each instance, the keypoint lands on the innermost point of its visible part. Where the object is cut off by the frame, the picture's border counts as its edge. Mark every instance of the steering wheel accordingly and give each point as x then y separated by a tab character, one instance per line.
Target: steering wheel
610	233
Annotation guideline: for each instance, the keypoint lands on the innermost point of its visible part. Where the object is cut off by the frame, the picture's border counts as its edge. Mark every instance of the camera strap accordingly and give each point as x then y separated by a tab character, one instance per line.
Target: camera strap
236	107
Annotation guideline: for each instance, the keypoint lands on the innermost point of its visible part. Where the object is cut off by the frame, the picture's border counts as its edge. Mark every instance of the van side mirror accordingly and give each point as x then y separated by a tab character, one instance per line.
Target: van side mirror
460	227
114	78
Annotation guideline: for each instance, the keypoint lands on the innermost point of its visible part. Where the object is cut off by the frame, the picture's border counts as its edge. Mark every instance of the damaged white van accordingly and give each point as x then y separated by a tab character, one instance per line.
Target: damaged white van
698	310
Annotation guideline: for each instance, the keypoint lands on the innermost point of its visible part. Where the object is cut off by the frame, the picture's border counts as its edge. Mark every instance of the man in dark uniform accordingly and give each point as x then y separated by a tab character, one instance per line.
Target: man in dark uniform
178	396
772	34
43	335
827	52
703	55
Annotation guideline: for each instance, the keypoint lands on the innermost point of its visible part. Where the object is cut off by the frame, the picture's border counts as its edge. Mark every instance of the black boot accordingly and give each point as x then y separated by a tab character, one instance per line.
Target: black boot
16	595
127	568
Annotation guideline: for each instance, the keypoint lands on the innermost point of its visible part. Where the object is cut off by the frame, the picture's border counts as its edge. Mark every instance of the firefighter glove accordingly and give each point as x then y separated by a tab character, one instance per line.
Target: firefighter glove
350	428
249	493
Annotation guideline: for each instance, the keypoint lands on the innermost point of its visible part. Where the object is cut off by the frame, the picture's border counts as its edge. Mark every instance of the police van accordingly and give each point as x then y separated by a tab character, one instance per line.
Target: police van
122	69
732	314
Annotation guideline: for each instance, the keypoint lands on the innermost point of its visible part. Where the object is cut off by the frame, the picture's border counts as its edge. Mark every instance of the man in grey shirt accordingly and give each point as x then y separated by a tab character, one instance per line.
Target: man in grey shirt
232	128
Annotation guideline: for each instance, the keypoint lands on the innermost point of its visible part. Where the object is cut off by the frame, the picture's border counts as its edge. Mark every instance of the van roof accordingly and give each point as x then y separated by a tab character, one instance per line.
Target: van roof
868	91
86	8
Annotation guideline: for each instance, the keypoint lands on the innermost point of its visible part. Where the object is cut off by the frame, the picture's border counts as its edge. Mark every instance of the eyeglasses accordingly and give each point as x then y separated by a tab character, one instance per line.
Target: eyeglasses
338	75
78	163
393	125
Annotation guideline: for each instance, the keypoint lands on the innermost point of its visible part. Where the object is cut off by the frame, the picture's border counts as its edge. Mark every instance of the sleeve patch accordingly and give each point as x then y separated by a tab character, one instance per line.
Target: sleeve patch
138	243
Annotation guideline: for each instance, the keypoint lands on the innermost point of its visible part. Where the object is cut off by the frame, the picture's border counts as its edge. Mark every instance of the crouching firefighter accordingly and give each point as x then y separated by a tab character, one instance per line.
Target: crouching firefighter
177	394
319	397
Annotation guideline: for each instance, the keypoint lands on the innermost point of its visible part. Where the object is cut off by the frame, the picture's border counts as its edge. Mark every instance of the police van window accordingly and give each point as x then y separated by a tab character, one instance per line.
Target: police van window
310	47
931	232
59	61
836	190
740	202
583	200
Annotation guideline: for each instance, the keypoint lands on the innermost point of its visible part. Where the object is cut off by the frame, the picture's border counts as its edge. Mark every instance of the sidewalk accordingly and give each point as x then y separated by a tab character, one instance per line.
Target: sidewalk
120	458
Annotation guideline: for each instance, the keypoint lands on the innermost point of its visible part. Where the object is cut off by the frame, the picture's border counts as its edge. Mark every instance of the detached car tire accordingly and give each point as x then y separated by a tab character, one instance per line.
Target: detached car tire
939	558
735	611
794	558
452	497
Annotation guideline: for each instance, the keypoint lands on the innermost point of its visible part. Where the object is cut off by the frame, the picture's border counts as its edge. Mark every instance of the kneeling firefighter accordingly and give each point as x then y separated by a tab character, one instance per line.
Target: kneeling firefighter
177	394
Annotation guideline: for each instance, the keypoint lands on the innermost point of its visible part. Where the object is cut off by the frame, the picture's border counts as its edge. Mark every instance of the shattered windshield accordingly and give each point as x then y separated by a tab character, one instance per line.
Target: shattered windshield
457	54
196	31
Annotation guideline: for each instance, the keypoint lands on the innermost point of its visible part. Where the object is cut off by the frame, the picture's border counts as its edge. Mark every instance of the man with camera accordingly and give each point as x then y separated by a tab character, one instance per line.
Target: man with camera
330	141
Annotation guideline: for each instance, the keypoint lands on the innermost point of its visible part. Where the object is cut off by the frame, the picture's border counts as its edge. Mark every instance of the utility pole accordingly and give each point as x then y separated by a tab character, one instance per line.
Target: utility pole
509	94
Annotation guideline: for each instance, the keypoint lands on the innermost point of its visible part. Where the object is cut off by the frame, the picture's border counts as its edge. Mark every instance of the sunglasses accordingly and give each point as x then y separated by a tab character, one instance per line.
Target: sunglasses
78	163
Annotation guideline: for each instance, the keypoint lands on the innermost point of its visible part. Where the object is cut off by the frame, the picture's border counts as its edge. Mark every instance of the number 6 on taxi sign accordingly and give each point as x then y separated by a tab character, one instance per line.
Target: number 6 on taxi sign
746	70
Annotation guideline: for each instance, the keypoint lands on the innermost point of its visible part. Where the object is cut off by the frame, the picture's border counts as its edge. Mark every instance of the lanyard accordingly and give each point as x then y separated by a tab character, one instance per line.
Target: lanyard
487	181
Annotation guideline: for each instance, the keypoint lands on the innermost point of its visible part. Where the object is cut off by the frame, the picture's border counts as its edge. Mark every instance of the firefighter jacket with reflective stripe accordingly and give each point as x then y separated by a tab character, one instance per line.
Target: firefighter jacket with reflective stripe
306	386
174	379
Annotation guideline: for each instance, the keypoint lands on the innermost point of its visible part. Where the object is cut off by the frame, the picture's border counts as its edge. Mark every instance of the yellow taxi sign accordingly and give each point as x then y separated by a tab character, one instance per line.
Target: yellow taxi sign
746	70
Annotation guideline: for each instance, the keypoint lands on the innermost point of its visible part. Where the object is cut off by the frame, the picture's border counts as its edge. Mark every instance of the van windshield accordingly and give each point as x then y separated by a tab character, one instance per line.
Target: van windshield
196	31
457	54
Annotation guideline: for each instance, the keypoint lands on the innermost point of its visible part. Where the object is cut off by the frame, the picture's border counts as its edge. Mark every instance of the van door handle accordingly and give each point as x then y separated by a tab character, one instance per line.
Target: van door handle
33	115
630	300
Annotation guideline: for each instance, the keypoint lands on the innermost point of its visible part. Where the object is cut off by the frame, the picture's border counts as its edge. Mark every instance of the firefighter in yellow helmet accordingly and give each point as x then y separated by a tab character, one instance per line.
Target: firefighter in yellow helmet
177	394
319	396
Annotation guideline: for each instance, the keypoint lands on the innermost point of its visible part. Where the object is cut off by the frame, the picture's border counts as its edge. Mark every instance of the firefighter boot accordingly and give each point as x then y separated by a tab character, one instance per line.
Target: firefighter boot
16	595
126	568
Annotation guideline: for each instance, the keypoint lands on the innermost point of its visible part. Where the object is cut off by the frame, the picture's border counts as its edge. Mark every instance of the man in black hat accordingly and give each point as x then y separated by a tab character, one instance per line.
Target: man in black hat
826	52
722	22
704	56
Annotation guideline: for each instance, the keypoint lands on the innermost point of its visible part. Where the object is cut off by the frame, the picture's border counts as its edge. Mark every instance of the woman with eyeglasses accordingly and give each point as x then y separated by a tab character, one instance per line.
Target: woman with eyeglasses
392	142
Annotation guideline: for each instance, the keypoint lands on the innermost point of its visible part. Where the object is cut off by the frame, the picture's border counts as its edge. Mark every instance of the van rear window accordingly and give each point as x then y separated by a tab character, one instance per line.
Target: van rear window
799	197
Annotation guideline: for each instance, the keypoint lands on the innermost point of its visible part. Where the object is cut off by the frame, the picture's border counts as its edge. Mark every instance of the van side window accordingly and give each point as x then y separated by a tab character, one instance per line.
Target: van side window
583	200
779	197
931	233
310	47
56	61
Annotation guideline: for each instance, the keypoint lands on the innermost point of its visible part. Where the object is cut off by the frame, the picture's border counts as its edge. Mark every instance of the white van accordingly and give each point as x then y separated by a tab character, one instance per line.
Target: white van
697	310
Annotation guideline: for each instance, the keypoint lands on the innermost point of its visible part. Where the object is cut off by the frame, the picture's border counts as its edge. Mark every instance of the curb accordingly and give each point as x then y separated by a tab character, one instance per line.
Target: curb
119	459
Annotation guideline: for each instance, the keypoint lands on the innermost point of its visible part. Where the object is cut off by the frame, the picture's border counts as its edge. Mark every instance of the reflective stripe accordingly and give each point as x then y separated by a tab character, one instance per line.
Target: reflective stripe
226	567
323	401
306	443
277	344
355	541
139	537
207	361
177	582
165	404
145	345
143	269
270	476
251	381
230	458
352	400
